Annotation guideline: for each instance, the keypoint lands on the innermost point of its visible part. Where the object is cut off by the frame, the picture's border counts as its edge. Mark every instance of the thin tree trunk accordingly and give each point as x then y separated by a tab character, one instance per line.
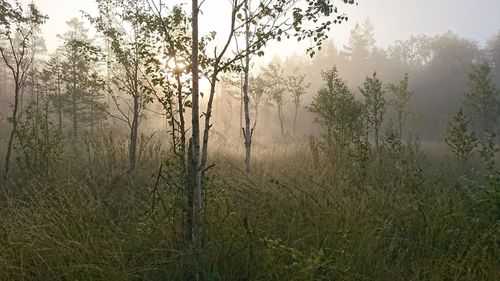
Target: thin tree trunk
400	119
35	89
185	156
196	226
295	118
280	115
134	128
92	115
247	131
208	116
75	114
241	100
133	135
182	123
256	114
59	102
206	133
46	151
14	130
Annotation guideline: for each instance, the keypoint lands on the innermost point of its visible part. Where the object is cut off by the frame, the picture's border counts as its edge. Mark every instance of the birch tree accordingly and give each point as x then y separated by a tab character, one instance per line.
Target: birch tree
374	105
172	26
121	22
402	95
458	138
273	20
337	111
276	89
16	38
265	21
247	131
195	158
257	92
297	88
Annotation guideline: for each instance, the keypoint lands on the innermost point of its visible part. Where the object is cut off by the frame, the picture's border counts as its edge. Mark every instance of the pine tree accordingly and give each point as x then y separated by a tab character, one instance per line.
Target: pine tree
361	41
54	74
76	70
81	100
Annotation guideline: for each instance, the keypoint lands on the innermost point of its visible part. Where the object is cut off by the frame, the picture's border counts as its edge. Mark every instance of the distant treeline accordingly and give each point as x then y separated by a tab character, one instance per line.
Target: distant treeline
438	69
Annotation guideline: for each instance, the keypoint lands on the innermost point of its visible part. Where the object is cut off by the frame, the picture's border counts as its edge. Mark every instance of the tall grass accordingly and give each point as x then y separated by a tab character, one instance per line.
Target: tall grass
294	218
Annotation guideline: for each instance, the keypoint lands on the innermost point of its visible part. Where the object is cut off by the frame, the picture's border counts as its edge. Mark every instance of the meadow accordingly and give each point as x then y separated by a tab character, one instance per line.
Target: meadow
298	216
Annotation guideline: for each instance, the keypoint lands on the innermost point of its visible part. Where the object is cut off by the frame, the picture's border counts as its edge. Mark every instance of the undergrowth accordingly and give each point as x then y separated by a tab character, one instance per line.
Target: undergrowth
297	216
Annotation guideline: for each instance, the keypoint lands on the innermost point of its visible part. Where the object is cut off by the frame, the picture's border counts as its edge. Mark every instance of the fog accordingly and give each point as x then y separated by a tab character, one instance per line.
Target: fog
249	140
435	48
397	19
462	34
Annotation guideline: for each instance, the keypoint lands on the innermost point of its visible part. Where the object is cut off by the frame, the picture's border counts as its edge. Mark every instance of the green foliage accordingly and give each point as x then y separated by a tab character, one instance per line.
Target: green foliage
414	52
291	221
297	87
15	20
40	142
482	101
53	80
302	266
279	19
494	193
275	82
488	148
257	91
402	216
493	51
337	111
402	96
458	139
18	47
411	160
401	163
374	104
82	99
359	155
392	143
361	42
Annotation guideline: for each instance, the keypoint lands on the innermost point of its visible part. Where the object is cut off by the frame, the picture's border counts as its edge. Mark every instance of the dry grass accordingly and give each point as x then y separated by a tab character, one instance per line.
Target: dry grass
292	219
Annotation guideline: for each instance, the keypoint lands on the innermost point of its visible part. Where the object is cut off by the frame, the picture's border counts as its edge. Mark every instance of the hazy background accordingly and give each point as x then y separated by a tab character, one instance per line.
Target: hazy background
395	19
458	32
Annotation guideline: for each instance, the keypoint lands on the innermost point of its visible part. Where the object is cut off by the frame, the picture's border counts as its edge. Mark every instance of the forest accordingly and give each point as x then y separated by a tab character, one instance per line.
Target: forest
145	147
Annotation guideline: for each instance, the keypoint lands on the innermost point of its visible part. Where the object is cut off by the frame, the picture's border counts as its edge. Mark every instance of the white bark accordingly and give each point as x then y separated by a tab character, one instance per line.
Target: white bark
197	202
247	131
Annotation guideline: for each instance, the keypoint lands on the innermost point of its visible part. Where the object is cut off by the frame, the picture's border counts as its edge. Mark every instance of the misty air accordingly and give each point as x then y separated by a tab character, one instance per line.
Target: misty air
249	140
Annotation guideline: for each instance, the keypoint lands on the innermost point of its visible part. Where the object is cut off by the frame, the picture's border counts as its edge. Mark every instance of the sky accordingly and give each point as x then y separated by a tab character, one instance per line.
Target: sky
393	19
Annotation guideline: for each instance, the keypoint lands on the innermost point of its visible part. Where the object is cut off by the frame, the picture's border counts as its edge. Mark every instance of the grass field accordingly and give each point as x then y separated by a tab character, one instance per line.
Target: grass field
296	217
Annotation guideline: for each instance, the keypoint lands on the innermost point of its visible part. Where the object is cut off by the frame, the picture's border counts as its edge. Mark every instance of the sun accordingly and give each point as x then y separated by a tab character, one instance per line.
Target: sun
176	65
